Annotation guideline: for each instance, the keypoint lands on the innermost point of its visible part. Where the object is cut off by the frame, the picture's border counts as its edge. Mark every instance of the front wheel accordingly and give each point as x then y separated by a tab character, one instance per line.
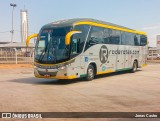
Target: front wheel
134	68
90	73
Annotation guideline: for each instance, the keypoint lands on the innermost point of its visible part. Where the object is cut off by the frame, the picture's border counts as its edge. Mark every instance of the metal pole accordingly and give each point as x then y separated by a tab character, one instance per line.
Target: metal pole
152	54
33	57
16	59
12	31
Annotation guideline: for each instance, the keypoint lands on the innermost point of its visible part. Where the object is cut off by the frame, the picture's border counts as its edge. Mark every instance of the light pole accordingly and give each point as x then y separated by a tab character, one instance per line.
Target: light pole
12	31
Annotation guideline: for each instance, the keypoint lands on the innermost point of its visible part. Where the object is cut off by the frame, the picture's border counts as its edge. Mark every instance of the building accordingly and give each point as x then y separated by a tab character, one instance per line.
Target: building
24	25
153	53
15	45
16	52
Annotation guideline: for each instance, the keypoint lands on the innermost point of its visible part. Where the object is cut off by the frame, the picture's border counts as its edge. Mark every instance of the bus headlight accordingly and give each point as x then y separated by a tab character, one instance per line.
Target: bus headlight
68	65
62	68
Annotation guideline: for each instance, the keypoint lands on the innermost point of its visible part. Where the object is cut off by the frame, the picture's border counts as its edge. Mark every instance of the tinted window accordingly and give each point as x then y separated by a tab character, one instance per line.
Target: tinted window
51	46
100	35
123	40
106	36
114	37
96	36
78	40
129	38
74	45
136	40
143	40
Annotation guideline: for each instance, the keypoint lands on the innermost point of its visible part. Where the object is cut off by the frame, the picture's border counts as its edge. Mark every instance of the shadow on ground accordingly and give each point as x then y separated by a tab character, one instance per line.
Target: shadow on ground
39	81
114	74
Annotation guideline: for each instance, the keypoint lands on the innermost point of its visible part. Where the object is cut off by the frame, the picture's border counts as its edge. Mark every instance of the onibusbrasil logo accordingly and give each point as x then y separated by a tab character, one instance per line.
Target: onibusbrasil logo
103	54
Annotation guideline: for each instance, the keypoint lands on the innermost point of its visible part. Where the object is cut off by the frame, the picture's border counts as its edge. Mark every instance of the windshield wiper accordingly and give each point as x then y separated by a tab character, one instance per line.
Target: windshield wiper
47	49
42	54
53	52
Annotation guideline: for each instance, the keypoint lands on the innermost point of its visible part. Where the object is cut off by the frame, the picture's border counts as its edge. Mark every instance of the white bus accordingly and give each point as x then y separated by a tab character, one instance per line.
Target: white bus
76	48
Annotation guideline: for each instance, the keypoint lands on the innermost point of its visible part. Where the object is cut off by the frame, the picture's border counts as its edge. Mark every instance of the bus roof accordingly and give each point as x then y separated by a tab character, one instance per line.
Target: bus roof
93	22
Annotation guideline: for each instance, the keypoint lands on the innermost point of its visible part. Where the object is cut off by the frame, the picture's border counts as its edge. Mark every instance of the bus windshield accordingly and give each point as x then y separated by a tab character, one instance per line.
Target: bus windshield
51	48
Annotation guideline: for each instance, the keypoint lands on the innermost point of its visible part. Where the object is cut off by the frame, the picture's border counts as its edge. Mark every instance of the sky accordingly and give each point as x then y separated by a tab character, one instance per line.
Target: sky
143	15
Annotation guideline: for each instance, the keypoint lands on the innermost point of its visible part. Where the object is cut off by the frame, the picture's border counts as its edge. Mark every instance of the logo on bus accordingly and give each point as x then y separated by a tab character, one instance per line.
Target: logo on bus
103	54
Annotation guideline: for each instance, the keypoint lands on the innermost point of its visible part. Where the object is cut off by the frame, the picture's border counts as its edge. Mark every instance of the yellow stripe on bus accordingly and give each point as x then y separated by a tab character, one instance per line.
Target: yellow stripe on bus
143	65
104	72
109	26
66	77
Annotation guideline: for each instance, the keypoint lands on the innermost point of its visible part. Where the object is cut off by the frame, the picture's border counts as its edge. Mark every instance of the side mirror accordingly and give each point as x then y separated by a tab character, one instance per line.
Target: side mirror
68	36
30	37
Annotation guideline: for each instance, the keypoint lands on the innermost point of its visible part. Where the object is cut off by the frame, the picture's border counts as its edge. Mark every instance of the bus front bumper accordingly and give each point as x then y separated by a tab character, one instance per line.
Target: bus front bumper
52	74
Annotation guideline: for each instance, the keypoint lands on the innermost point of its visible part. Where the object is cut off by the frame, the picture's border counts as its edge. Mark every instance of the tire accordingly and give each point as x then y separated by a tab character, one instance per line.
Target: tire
90	73
134	67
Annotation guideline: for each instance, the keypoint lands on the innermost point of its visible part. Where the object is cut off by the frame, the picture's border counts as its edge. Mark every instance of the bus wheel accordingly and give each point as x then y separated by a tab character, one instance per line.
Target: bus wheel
90	73
134	68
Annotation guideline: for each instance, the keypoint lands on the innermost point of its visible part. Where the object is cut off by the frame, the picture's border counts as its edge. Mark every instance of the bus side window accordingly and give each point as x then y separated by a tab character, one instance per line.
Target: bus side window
114	37
81	36
75	46
123	38
129	39
96	36
106	36
143	40
136	40
118	37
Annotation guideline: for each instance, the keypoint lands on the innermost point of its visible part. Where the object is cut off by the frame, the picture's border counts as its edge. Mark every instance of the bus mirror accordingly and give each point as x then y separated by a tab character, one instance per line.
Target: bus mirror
68	36
30	37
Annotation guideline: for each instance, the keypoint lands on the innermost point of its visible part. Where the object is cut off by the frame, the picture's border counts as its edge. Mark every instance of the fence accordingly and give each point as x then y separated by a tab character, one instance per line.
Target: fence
16	55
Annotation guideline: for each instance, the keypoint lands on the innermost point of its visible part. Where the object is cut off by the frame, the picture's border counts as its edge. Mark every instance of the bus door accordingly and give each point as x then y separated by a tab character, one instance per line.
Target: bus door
143	50
142	55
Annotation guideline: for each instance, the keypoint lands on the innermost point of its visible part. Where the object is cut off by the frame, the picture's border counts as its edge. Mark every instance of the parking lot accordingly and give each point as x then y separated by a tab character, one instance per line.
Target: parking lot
20	91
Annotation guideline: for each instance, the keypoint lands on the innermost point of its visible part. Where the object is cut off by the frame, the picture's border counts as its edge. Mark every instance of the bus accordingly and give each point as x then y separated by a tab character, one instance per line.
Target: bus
83	47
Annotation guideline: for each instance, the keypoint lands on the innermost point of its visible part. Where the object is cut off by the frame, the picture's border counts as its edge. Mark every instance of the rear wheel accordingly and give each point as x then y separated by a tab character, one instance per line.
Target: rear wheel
90	73
134	68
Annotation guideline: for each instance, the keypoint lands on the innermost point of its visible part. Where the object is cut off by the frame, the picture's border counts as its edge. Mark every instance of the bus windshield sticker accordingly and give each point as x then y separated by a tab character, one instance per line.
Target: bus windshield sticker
86	59
103	68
